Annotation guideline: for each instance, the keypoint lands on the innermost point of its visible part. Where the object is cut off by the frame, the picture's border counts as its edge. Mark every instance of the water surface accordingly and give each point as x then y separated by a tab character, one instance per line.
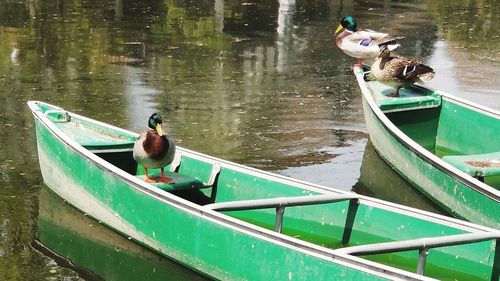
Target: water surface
260	83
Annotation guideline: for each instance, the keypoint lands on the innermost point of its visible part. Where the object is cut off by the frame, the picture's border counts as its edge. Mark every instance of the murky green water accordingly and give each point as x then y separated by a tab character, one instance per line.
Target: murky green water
258	82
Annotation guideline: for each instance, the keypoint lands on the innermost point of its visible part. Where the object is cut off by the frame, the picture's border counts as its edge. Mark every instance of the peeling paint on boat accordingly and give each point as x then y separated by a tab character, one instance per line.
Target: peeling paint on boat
219	245
69	190
456	192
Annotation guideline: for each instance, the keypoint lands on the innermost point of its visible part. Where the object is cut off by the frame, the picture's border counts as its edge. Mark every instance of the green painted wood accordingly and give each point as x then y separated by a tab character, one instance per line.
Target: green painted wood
420	125
409	99
477	165
88	246
236	245
181	182
454	128
463	130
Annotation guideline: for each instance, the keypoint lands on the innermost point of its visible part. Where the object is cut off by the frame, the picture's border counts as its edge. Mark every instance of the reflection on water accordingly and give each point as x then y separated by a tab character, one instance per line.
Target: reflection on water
475	80
256	82
467	58
378	179
342	171
94	251
473	26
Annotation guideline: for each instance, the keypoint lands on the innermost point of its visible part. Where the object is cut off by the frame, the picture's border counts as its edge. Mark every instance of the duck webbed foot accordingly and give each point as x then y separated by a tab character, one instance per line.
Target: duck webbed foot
395	94
167	180
147	178
164	179
150	180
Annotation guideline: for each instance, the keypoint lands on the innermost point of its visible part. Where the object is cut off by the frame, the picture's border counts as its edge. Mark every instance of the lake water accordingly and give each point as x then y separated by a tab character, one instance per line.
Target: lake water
259	83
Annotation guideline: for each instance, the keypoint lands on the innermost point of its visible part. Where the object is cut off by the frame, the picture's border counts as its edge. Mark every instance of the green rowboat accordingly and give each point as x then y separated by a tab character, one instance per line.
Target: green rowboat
96	252
446	147
232	222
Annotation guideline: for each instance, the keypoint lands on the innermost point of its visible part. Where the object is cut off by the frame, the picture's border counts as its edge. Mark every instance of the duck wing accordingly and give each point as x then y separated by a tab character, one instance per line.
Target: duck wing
409	70
373	37
357	44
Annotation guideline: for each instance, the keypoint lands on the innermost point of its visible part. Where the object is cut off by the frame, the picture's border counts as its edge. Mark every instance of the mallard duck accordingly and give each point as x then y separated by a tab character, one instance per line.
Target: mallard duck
399	72
361	44
154	149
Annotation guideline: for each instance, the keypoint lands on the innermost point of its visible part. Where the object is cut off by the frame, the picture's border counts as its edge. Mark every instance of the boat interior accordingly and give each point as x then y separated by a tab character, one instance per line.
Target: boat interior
340	221
462	135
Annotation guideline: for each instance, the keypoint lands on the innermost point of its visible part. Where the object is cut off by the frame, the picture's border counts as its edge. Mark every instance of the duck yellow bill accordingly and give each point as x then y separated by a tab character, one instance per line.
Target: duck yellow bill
159	130
339	28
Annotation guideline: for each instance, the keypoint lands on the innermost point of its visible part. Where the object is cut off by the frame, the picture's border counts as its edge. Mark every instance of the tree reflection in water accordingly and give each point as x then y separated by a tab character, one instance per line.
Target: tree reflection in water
256	82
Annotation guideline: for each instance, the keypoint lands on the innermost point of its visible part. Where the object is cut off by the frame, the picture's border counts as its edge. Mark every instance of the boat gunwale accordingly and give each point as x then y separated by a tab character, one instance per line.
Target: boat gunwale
374	202
469	104
248	228
420	151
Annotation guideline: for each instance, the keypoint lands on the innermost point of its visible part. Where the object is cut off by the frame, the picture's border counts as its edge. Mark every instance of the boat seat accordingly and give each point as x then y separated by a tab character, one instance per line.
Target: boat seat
181	182
477	165
94	140
414	97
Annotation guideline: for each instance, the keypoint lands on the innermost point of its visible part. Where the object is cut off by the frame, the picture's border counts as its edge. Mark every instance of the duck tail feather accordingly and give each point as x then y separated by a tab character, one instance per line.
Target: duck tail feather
388	40
427	76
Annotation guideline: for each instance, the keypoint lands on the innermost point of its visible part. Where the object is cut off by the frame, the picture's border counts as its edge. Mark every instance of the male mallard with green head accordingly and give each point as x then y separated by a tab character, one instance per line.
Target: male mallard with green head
154	149
364	43
399	72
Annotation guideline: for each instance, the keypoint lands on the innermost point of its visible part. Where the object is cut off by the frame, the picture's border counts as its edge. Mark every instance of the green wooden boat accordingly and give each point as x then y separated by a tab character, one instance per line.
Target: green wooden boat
447	147
94	251
232	222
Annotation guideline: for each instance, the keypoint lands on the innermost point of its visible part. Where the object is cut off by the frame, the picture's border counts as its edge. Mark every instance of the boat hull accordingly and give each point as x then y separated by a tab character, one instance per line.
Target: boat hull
95	172
95	251
217	249
456	192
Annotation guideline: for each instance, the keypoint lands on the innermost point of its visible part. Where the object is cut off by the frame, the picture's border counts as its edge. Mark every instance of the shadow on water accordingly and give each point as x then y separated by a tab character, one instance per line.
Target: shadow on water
378	179
94	251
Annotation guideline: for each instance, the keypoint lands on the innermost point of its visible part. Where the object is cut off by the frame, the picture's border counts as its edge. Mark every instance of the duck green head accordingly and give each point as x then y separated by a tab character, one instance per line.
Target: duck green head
155	122
348	23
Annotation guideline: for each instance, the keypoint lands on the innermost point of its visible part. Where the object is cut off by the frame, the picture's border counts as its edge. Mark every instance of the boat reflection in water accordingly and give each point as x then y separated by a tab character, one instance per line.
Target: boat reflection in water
378	179
96	252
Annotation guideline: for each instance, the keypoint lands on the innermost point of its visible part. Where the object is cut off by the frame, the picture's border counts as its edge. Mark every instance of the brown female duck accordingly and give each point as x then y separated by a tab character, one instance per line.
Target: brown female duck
399	72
